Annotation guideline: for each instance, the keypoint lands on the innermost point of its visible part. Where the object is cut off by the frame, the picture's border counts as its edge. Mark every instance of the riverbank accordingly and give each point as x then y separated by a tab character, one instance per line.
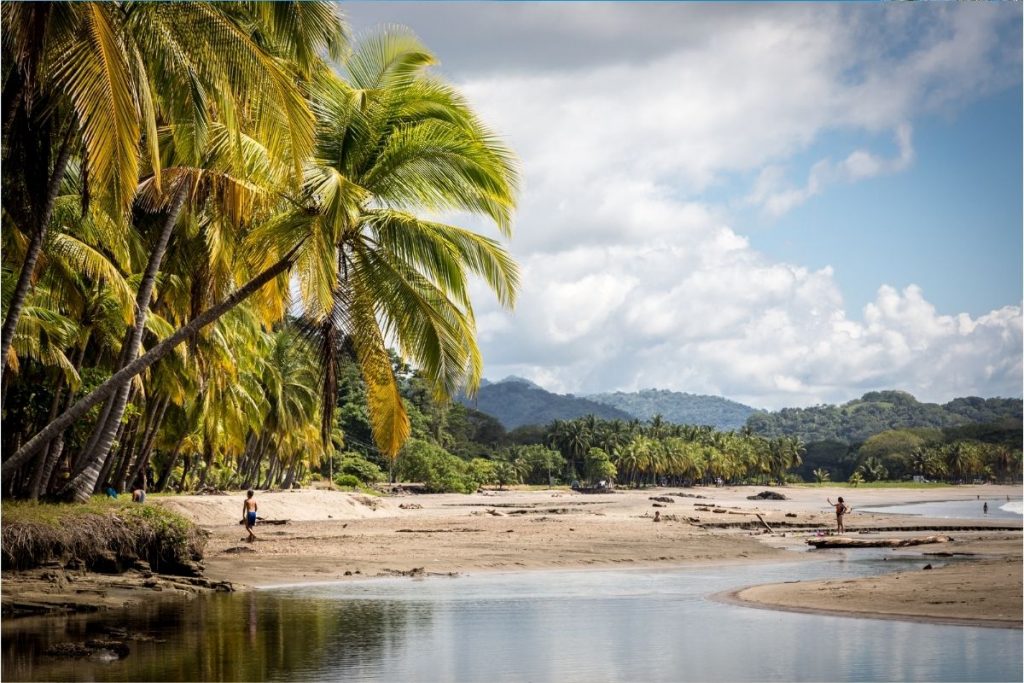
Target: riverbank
332	536
324	535
100	555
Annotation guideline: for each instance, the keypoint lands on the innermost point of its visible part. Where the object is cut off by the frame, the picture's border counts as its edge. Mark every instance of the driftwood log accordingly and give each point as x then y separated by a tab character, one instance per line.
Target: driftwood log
846	542
264	522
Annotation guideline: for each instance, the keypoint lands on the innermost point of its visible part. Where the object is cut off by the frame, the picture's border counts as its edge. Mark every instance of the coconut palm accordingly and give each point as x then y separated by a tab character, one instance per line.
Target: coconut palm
392	142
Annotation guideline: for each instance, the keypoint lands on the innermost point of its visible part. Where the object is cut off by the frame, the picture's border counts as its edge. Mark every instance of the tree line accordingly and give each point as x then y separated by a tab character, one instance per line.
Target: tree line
180	178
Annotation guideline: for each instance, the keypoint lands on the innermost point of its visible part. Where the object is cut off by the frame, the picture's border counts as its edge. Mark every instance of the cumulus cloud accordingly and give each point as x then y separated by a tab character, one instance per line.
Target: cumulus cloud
629	119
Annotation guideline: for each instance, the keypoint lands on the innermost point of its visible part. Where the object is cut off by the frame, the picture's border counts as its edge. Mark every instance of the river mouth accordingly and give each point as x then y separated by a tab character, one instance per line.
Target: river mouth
978	508
594	625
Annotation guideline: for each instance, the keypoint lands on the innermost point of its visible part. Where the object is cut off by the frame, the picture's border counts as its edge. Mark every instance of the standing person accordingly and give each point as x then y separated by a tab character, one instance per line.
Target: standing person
841	509
249	508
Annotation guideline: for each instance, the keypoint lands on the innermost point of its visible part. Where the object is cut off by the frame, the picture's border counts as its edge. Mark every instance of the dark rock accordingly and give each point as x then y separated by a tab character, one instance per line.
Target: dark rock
791	514
767	495
657	505
68	650
927	566
105	562
662	499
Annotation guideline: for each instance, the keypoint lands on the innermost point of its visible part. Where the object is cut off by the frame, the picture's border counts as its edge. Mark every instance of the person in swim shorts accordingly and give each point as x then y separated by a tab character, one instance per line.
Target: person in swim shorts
841	509
249	508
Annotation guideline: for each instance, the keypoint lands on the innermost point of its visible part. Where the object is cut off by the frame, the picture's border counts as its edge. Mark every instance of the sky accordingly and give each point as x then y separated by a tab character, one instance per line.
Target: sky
782	204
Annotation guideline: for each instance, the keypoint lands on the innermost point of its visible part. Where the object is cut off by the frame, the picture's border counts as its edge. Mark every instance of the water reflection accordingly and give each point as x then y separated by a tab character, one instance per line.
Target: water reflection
246	637
650	625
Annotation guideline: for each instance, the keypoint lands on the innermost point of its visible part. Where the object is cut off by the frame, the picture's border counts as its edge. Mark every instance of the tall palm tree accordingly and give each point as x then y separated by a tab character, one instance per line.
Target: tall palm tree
394	141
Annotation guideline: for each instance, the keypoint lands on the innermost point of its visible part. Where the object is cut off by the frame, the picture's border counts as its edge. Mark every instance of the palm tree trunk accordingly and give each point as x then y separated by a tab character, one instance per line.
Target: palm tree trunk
148	441
108	463
127	454
165	476
140	364
184	473
45	465
290	477
84	485
35	246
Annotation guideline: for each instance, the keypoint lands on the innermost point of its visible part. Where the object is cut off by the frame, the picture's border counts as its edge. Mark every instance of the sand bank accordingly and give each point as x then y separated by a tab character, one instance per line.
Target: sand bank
337	536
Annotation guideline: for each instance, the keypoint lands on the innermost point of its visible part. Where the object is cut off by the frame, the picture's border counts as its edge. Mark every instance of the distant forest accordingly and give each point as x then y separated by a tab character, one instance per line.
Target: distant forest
678	407
879	411
457	448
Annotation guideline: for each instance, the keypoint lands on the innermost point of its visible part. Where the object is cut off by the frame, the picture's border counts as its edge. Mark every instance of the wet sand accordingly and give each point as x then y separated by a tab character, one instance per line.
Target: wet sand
332	536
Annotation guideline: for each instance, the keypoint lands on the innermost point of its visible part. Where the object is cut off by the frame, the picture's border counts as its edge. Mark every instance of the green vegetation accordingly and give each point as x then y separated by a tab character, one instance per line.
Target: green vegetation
171	170
679	408
103	534
516	402
879	411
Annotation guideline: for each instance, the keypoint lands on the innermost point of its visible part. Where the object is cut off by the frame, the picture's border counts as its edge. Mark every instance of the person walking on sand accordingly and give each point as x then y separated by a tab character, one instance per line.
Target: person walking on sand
841	509
249	508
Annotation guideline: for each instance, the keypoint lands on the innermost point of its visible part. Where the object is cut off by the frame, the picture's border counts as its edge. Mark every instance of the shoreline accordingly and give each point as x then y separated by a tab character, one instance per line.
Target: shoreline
733	597
316	537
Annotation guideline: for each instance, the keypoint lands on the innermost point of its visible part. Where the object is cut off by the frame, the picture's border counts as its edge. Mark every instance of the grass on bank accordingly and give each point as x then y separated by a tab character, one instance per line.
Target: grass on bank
103	534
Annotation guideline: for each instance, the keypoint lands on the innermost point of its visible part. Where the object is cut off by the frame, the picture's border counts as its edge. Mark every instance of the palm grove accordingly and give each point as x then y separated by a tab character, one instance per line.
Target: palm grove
182	179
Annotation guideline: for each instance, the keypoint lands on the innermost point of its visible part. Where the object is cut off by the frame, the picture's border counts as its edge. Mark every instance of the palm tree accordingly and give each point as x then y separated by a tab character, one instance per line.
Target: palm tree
392	142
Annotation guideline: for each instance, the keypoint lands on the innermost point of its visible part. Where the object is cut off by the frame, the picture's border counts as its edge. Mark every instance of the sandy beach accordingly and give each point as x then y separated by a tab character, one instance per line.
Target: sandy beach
330	536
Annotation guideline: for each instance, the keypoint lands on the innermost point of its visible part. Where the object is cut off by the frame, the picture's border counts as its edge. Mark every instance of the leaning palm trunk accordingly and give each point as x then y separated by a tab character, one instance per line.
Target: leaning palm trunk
85	483
34	248
140	364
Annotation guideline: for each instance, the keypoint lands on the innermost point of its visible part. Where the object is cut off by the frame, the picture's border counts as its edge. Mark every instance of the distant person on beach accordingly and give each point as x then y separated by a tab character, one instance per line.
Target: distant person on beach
657	515
249	514
139	495
841	509
984	507
111	492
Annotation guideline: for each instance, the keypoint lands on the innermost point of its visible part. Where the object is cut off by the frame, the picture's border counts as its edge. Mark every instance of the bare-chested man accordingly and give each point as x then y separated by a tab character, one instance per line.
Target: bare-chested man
249	508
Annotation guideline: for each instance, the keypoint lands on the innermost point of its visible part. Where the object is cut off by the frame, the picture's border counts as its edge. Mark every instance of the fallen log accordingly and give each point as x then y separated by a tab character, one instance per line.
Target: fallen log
264	522
847	542
761	519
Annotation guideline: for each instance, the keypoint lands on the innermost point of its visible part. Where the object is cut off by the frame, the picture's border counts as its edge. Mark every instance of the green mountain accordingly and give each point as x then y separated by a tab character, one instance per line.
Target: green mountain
878	411
679	408
515	402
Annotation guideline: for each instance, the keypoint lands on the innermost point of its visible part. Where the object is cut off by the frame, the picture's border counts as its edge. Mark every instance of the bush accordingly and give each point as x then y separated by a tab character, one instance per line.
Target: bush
436	468
347	480
361	468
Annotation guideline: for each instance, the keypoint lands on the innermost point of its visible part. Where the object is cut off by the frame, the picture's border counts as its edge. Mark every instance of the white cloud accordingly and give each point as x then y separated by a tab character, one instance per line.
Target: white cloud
775	197
633	278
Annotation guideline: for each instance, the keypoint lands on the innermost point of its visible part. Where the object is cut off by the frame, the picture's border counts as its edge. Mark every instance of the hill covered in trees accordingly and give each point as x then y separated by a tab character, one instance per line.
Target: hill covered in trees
880	411
679	408
515	402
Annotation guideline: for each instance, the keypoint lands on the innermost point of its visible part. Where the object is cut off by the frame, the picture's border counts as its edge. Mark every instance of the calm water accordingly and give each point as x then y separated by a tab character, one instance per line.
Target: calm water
631	625
998	508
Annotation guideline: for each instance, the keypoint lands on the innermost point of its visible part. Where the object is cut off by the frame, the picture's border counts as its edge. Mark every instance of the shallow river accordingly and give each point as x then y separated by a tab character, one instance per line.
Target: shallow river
622	625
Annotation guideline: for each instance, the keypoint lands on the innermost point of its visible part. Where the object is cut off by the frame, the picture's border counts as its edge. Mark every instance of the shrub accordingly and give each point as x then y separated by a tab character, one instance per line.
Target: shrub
347	480
436	468
361	468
